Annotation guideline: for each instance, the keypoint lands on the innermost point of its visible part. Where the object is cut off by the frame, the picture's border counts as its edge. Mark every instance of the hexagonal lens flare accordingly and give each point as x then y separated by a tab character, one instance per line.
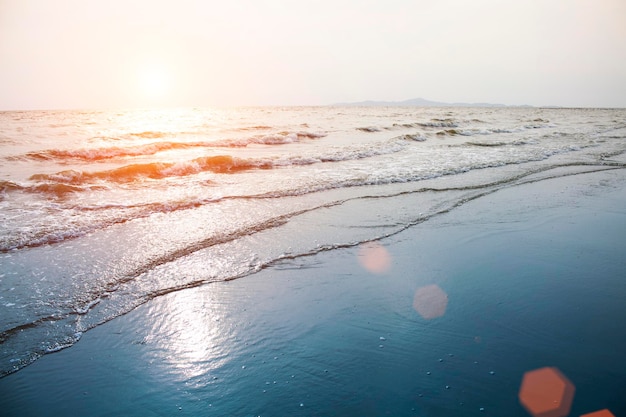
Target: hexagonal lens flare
546	392
601	413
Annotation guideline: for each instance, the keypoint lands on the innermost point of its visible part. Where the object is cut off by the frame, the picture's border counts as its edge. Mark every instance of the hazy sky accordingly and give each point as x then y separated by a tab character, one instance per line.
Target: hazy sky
128	53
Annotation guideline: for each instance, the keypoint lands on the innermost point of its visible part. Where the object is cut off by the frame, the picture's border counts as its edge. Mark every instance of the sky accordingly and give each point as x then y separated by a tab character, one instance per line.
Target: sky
79	54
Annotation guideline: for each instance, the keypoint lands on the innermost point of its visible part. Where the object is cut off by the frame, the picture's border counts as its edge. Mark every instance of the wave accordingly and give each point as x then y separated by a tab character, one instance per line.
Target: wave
149	134
254	128
280	138
58	189
156	170
8	186
369	129
448	132
98	154
432	124
439	123
487	144
452	127
416	137
79	223
112	214
47	233
475	132
219	164
518	142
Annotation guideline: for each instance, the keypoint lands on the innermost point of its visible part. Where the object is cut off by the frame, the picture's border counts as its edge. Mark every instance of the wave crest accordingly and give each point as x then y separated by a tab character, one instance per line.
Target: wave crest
154	170
103	153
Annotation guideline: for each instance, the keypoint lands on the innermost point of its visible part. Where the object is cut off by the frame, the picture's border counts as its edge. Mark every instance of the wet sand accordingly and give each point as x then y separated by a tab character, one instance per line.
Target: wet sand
526	277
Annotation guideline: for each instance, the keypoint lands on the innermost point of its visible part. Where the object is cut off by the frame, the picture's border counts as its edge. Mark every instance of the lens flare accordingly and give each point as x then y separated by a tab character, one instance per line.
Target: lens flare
601	413
430	301
374	257
546	392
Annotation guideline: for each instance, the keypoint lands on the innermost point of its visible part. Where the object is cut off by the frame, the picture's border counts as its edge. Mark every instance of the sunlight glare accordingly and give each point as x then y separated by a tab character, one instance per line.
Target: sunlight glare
192	339
154	82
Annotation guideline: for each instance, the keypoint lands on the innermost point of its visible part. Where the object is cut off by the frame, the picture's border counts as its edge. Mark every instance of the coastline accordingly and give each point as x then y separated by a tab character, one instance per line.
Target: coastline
533	276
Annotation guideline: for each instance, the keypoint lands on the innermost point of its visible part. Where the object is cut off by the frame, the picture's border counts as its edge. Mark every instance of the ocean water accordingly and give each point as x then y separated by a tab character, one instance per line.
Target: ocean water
534	277
103	211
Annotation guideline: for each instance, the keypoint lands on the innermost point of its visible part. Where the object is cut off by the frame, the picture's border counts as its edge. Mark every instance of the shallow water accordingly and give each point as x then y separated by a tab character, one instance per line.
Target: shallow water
533	276
103	211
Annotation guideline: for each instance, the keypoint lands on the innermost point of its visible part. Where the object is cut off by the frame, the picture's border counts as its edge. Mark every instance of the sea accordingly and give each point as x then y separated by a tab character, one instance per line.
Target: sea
104	211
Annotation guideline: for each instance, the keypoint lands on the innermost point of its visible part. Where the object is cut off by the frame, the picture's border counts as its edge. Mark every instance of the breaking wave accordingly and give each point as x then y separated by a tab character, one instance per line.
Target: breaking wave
369	129
148	135
156	170
219	164
103	153
452	127
440	123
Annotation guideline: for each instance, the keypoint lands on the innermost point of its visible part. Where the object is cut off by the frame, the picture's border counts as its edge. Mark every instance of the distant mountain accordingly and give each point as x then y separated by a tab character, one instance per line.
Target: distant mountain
419	102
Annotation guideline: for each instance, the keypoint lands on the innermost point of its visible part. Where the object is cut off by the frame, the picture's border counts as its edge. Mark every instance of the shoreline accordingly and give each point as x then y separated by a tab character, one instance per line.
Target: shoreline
531	274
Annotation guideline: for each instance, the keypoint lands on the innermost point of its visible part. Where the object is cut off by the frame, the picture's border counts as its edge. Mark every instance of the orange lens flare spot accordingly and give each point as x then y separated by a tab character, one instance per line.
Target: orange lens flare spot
546	392
430	301
601	413
374	257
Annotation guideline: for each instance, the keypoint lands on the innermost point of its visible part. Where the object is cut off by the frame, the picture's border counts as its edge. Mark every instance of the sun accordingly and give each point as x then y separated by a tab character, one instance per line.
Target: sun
154	82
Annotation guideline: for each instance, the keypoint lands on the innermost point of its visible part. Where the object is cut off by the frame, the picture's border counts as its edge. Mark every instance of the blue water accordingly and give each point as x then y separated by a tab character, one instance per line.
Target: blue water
534	276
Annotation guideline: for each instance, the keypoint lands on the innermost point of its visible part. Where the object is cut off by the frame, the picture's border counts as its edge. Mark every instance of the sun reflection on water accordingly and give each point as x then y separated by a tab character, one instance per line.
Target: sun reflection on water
194	341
